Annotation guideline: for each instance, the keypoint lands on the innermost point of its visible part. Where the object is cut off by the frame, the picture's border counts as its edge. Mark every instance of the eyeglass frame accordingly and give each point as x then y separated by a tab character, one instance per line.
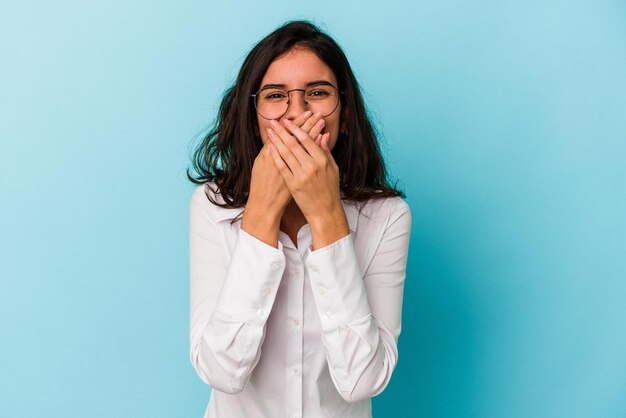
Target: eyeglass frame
253	96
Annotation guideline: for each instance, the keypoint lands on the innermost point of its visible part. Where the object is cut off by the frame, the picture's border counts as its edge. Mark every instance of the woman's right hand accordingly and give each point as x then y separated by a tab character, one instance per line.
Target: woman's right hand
267	187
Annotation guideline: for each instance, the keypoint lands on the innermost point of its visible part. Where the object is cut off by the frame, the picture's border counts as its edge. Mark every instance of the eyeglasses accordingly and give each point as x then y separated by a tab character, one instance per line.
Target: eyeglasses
273	103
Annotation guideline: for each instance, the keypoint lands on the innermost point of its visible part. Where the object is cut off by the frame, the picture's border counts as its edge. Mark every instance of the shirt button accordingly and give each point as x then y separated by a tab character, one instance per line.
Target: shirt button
322	290
296	270
266	291
314	268
276	266
296	322
294	371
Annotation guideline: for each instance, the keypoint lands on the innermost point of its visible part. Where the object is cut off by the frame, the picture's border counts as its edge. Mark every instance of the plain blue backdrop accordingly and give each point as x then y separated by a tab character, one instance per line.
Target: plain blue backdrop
504	122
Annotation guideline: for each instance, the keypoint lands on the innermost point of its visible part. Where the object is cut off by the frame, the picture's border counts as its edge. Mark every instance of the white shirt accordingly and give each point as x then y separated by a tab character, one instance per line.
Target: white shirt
292	332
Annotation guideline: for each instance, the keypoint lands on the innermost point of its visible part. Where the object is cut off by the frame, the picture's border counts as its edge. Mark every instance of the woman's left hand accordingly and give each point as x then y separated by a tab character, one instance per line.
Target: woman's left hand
310	173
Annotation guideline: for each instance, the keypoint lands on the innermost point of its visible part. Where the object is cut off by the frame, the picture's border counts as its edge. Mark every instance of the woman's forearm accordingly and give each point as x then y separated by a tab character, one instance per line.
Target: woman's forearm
262	221
328	228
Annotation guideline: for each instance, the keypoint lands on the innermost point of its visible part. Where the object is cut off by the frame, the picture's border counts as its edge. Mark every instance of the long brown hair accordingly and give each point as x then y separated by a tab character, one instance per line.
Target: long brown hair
226	154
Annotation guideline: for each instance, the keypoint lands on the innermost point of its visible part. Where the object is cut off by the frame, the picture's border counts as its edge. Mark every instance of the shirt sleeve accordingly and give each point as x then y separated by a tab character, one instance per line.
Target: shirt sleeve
231	296
361	313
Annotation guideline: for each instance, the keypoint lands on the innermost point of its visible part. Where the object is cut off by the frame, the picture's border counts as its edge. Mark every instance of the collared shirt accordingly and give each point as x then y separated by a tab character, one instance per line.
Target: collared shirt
290	331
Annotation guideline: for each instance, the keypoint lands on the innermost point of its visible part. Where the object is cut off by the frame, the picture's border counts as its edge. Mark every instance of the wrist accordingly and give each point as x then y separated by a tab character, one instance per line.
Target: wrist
328	228
261	223
262	209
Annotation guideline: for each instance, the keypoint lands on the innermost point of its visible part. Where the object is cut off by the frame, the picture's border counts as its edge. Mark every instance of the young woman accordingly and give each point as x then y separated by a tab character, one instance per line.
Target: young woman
298	244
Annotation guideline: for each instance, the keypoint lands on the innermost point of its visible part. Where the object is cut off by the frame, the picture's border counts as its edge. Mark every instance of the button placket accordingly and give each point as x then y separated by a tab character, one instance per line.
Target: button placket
293	359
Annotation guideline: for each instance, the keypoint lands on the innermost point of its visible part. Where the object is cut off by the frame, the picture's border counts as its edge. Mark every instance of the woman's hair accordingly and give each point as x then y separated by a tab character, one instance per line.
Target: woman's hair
226	154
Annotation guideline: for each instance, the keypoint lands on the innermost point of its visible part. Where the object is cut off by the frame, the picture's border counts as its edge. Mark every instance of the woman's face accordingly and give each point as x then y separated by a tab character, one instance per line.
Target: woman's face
295	69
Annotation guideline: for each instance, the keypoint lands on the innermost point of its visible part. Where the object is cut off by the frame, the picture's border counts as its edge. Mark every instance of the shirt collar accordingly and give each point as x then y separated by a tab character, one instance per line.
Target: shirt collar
350	208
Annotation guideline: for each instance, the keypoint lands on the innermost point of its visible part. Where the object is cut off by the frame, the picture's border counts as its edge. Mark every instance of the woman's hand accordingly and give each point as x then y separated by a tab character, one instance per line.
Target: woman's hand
312	176
269	195
267	186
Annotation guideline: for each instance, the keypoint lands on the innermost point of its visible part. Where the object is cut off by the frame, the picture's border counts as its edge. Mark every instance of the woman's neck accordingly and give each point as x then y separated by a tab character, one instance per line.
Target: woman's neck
292	219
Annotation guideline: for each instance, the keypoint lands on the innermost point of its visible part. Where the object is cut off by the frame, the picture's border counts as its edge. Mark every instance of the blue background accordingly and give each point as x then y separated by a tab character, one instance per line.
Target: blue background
504	121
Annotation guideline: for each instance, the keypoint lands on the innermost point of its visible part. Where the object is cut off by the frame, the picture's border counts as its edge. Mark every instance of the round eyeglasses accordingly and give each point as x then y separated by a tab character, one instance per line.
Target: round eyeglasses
273	103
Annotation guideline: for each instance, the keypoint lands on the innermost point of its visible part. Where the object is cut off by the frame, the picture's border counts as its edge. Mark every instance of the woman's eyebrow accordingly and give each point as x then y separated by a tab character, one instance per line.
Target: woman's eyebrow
309	84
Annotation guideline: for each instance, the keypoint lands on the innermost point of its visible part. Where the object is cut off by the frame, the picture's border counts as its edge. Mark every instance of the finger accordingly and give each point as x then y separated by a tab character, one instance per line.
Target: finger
324	142
304	139
302	118
285	152
310	123
317	140
293	143
282	167
317	128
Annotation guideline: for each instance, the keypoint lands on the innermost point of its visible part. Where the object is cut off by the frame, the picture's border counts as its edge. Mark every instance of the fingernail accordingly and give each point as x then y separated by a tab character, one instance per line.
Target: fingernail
321	123
273	123
318	114
307	113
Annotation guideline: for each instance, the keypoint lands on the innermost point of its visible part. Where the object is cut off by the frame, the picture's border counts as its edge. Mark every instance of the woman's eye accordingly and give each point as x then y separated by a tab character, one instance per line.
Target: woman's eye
275	96
318	93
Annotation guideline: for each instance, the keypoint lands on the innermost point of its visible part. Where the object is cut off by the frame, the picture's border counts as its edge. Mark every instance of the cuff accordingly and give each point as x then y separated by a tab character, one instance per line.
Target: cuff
254	274
337	283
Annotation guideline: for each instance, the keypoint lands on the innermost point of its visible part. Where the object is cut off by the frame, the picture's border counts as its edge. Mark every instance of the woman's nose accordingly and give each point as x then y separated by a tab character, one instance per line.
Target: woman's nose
297	105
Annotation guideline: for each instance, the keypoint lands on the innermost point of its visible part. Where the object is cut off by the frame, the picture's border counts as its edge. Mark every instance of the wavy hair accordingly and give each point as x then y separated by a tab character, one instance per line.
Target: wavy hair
226	154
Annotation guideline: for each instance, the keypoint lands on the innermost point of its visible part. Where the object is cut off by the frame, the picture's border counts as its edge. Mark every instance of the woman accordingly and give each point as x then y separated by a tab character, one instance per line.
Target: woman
298	245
